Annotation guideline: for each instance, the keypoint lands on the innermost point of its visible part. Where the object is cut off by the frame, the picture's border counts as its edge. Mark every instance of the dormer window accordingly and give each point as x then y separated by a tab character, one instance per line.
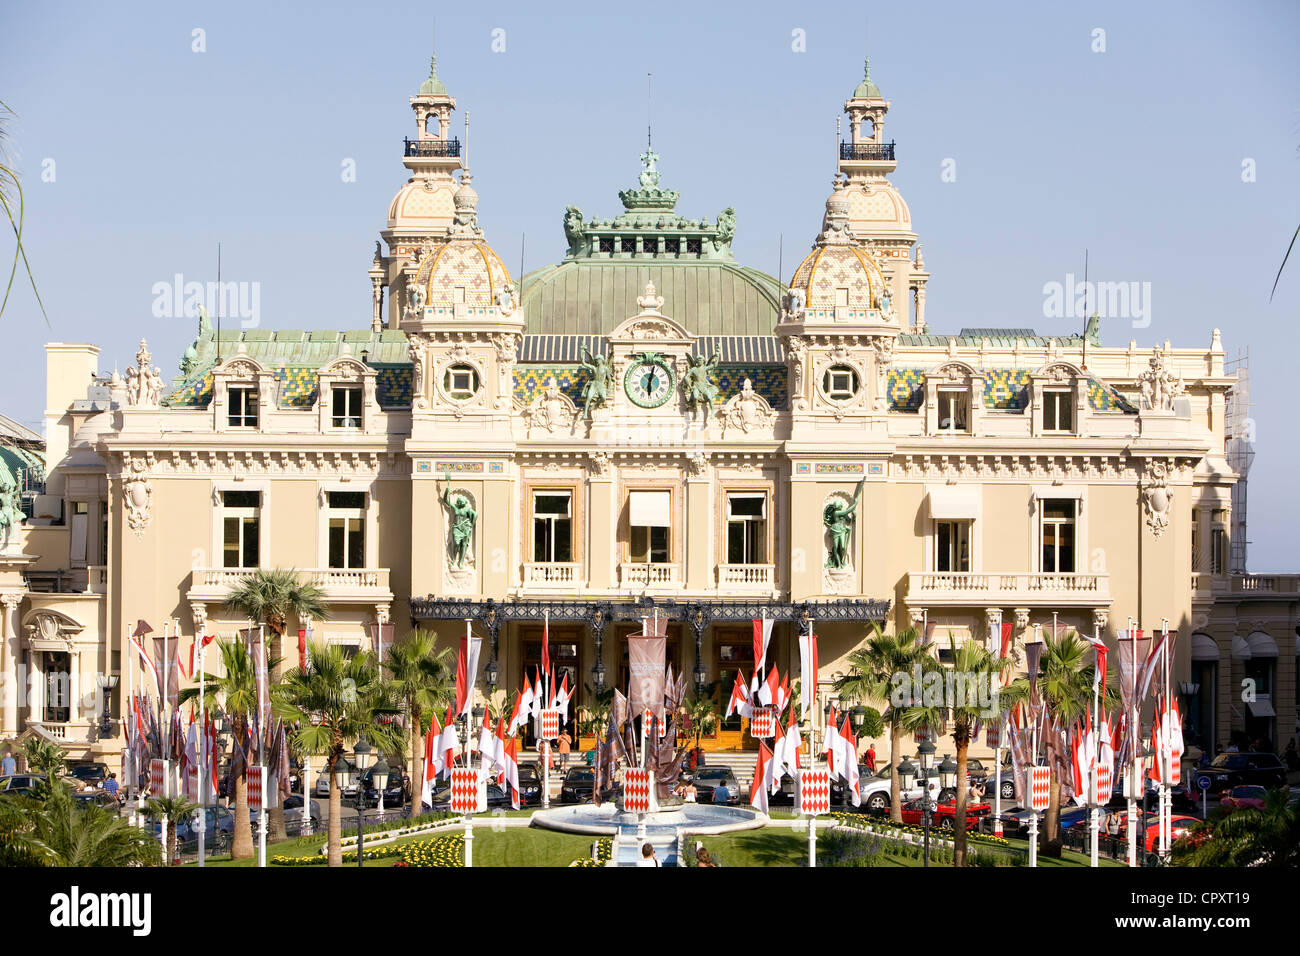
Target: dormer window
461	382
954	410
1058	410
346	406
242	407
840	383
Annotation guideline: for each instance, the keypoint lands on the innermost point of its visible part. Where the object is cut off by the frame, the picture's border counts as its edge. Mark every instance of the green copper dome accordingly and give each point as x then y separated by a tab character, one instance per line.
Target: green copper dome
433	86
867	90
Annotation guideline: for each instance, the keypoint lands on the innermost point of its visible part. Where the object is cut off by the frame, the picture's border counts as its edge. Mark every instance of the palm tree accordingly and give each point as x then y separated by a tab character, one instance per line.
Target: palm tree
873	672
175	810
424	679
1269	837
1065	685
44	756
271	596
702	714
975	670
334	700
233	693
11	199
55	831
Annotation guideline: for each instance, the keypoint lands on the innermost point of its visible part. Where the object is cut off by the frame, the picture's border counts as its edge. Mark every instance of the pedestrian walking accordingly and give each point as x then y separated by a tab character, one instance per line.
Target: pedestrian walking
564	744
8	766
871	757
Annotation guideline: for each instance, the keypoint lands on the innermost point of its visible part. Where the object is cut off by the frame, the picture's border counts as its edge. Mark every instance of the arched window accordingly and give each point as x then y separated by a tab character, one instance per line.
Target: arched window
867	130
433	125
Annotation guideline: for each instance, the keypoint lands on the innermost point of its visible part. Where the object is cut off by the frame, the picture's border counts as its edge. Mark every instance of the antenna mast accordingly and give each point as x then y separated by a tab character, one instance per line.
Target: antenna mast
218	302
647	111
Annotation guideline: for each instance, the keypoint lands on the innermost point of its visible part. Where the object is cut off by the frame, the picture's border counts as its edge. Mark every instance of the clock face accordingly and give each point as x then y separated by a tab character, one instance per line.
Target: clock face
649	383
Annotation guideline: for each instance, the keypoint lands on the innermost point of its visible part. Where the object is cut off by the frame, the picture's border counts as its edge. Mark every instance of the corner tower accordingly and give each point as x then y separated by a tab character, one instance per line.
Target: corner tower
424	208
877	212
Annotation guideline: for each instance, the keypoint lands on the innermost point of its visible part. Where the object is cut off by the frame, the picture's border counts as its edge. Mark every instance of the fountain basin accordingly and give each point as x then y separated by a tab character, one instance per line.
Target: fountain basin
608	819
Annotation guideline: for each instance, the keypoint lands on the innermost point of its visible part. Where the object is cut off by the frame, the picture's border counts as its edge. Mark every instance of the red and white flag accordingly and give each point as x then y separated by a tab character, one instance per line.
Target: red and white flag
467	673
769	690
432	763
510	757
831	744
520	715
486	746
783	693
849	755
137	640
762	638
764	770
524	706
807	672
448	743
739	702
562	697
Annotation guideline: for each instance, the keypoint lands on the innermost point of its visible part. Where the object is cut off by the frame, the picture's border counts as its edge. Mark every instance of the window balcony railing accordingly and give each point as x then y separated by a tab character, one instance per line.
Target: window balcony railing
746	576
432	147
648	575
552	574
867	151
1030	589
336	584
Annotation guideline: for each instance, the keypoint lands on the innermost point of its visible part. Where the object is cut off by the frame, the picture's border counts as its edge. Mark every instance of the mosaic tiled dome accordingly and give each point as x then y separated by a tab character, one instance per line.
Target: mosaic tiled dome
463	263
830	268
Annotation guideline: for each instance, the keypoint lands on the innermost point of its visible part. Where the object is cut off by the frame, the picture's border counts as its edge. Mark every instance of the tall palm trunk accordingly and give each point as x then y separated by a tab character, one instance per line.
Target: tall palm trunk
241	846
1052	822
895	784
959	833
335	828
415	779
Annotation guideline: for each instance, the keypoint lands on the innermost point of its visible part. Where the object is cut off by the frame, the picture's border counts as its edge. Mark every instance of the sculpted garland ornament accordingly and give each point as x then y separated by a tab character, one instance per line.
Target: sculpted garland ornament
650	380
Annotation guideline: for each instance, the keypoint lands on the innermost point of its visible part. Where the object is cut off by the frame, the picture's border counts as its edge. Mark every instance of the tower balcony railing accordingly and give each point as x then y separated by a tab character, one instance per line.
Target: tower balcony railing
431	147
867	151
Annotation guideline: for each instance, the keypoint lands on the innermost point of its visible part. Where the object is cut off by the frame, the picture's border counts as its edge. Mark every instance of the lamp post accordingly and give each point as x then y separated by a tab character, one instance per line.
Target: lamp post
362	756
948	775
857	717
926	752
107	683
379	777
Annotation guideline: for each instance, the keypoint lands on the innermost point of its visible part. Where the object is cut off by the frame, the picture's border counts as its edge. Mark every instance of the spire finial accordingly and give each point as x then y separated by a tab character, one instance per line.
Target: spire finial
648	146
866	67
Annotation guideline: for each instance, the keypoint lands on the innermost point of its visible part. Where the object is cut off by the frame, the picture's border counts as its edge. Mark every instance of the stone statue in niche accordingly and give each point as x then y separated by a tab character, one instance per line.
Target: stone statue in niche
463	519
600	372
838	518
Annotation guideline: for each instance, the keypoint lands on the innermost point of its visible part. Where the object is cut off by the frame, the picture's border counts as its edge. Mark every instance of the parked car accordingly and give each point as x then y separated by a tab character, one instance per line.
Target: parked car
1179	825
293	808
89	774
530	785
348	790
498	798
96	798
944	815
1015	822
1180	797
707	779
577	785
1230	770
1239	798
19	784
840	794
876	794
219	827
394	789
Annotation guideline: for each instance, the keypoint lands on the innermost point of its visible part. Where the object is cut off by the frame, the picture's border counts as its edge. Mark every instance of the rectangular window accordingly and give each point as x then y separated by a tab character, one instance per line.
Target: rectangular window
243	407
747	528
841	383
954	410
952	546
1058	411
627	244
103	533
80	522
1218	551
1058	534
1196	540
672	246
650	517
693	247
346	407
347	529
241	523
553	526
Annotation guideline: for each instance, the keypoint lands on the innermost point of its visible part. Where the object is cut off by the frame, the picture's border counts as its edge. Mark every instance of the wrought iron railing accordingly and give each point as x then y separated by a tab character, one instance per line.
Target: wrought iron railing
867	151
432	147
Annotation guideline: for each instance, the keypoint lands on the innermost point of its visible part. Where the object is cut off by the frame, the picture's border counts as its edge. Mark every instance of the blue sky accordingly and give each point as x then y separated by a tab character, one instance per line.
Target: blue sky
1135	153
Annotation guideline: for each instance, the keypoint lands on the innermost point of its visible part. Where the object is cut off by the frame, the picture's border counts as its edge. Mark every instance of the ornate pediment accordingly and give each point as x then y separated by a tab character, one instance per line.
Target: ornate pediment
747	411
551	412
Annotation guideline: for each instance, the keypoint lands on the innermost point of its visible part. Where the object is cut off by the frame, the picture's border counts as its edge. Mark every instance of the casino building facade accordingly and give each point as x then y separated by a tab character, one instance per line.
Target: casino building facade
646	428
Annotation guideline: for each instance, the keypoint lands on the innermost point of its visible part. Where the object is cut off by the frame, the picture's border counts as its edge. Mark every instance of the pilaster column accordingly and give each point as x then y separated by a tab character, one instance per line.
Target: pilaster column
920	309
74	686
11	689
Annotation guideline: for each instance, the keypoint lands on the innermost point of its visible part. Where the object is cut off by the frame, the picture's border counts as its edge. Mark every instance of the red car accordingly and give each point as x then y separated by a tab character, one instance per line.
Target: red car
944	815
1241	797
1178	827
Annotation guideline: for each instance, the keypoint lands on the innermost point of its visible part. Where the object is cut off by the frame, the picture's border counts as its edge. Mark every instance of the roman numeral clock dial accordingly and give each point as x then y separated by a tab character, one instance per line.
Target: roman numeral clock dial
650	380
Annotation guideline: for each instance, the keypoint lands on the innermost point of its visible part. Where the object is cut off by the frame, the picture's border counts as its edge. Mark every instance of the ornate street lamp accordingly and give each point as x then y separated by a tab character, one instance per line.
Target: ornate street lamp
926	752
492	673
379	777
948	773
362	756
106	683
598	674
858	717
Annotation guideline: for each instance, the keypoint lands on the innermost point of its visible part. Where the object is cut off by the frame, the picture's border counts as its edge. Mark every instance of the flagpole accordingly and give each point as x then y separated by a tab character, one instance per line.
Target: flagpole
1135	771
1166	753
997	751
132	773
261	744
1094	815
1035	731
546	690
203	749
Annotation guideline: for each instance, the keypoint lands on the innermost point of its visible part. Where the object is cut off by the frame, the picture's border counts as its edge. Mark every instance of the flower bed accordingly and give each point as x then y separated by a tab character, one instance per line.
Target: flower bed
443	851
604	850
380	853
907	832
